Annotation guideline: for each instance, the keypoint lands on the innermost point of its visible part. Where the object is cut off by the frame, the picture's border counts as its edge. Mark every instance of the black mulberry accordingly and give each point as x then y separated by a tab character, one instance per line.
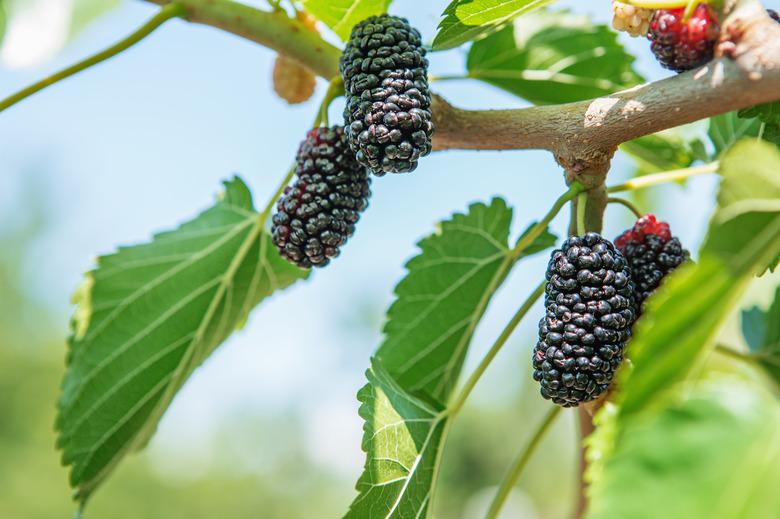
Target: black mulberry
388	112
318	212
652	253
589	313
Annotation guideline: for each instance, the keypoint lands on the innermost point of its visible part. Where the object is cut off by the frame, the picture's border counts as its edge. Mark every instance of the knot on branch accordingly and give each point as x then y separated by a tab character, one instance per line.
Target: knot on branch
588	167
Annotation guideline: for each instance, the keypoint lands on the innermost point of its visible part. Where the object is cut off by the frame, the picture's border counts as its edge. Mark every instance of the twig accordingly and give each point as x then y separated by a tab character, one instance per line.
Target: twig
468	387
664	177
626	203
166	13
508	483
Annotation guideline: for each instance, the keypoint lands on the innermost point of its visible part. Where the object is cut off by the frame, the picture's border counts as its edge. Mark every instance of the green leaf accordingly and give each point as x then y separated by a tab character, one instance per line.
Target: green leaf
768	113
714	455
682	319
725	130
402	436
761	330
414	372
467	20
342	15
147	317
663	151
442	298
553	57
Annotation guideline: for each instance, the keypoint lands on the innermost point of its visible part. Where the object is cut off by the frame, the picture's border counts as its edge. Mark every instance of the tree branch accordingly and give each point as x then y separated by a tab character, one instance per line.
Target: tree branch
583	136
273	29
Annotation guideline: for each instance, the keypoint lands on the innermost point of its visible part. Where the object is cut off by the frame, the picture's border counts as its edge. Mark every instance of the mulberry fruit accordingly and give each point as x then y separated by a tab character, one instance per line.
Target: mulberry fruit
631	19
589	313
317	213
388	111
773	15
679	45
292	82
652	253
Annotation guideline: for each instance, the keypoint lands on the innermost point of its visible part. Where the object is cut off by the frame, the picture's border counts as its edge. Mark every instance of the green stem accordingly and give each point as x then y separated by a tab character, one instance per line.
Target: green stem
458	403
263	217
167	12
656	4
520	462
449	77
582	203
525	241
664	178
734	354
689	10
626	203
335	89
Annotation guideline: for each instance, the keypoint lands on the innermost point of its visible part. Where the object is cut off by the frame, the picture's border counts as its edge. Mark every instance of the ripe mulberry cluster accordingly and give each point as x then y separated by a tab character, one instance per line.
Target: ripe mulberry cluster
317	213
680	45
652	253
589	313
387	116
630	19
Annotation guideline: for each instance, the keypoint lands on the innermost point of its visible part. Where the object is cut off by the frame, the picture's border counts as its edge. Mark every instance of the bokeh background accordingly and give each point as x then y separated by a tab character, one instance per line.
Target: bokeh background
268	427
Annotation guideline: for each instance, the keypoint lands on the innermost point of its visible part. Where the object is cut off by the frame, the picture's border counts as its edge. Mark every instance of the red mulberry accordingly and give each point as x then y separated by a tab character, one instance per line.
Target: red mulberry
652	253
679	45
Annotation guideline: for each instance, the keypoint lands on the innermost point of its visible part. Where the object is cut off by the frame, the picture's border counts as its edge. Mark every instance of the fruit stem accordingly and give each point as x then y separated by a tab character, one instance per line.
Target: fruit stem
734	354
622	201
664	177
524	242
658	4
167	12
335	89
520	462
468	387
692	4
277	194
582	202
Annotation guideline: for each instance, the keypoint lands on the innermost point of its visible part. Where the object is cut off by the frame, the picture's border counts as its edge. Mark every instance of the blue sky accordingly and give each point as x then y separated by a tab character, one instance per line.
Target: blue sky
142	142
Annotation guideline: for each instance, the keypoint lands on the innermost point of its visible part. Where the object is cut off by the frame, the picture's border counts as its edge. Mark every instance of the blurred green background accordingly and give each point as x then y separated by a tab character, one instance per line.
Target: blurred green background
267	428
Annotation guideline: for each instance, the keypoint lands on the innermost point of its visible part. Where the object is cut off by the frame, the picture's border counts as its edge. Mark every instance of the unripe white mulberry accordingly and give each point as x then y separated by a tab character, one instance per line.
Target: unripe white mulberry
631	19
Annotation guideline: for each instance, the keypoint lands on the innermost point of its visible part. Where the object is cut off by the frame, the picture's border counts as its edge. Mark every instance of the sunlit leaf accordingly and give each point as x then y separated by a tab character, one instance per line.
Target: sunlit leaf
682	319
414	372
342	15
727	129
663	151
553	57
467	20
768	113
761	330
147	317
715	454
